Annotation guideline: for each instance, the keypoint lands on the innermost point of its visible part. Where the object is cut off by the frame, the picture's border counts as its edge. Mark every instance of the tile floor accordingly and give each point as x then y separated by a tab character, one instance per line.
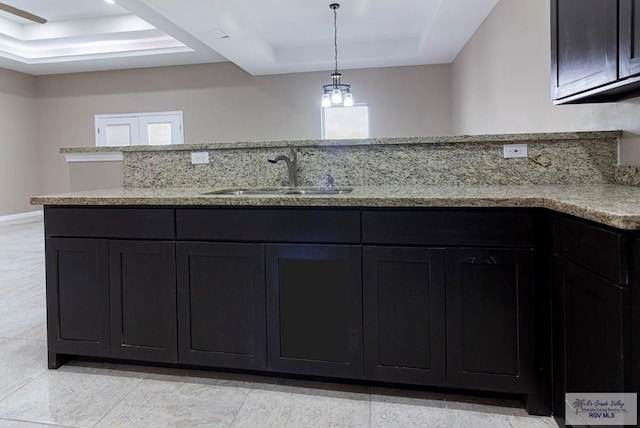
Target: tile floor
108	395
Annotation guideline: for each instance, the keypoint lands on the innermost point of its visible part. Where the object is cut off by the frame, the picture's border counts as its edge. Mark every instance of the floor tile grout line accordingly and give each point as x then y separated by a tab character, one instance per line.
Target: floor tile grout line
36	422
240	408
370	406
22	338
20	387
120	401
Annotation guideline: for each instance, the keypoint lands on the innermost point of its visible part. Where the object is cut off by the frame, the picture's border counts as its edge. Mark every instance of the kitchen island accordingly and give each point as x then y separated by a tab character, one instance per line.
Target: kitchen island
446	264
446	286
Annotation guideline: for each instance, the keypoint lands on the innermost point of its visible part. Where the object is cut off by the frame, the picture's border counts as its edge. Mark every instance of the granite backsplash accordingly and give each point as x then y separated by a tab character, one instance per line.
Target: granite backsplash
559	158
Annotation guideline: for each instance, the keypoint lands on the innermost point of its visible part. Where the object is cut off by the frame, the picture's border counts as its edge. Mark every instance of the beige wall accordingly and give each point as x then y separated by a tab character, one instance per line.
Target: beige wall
223	103
501	83
94	175
19	155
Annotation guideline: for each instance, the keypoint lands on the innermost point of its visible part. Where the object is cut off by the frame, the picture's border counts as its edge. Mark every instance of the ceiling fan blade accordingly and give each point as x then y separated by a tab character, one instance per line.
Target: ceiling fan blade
22	13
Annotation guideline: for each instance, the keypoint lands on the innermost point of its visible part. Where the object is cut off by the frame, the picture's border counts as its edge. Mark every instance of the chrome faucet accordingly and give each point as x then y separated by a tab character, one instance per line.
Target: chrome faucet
292	166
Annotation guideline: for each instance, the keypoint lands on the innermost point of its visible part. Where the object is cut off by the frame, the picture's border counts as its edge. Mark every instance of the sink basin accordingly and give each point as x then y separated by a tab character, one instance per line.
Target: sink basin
322	191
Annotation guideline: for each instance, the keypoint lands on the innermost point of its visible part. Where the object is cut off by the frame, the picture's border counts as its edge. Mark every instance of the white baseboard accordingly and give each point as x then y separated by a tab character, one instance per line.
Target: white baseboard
22	217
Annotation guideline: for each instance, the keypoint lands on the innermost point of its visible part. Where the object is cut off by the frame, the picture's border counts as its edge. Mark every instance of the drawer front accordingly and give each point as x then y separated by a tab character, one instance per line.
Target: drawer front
500	228
269	225
596	248
97	222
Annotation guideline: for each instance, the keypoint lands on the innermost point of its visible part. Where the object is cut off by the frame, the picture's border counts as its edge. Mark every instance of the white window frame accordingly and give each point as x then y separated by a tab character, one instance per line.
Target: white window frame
322	120
138	125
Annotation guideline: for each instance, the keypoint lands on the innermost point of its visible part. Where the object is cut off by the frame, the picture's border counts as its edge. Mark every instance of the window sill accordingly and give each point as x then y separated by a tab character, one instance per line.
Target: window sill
115	156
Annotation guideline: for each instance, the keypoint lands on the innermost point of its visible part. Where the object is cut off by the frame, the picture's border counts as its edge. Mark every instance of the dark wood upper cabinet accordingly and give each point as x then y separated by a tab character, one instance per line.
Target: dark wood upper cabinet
629	38
594	50
583	45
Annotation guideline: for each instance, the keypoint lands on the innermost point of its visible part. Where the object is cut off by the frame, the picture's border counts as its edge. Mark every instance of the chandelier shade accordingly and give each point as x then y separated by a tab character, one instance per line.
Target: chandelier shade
336	93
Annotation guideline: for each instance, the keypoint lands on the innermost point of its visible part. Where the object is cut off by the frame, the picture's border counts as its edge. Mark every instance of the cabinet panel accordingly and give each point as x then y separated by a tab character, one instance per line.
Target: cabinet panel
107	222
487	227
314	309
143	300
584	45
78	296
591	333
490	329
598	248
404	315
221	305
317	225
629	38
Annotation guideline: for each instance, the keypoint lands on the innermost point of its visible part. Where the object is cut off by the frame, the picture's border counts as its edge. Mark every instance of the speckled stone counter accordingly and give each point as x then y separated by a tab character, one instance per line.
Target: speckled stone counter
609	204
553	158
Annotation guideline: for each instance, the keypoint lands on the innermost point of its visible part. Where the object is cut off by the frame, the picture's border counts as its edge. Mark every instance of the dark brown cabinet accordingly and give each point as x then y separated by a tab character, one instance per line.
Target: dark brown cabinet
314	309
221	304
629	38
143	300
594	55
592	337
490	319
584	45
469	284
77	297
431	297
460	317
404	315
107	296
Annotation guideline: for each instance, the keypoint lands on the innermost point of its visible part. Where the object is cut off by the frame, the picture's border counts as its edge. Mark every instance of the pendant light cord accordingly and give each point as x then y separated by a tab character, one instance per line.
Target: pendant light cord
335	35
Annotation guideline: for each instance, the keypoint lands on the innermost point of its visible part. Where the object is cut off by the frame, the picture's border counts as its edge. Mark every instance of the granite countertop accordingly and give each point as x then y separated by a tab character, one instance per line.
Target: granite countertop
609	204
445	139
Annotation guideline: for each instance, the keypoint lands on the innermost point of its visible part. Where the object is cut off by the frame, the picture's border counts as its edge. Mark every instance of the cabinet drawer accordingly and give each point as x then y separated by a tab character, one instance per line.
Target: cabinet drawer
269	225
97	222
502	228
596	248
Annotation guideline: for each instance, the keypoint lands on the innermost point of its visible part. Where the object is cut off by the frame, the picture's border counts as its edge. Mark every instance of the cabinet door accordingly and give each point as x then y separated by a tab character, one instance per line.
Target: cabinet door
77	297
221	305
584	45
404	315
490	312
314	309
629	38
591	333
143	300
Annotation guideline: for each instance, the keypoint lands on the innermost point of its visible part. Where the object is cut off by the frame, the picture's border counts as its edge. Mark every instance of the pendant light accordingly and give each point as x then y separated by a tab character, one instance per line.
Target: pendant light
336	93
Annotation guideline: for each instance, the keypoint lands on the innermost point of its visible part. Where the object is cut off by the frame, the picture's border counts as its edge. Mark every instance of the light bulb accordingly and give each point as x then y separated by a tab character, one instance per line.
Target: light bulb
326	100
336	96
348	100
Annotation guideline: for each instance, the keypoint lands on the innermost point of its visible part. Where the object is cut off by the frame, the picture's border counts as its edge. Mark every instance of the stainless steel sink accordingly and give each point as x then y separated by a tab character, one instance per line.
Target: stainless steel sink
321	191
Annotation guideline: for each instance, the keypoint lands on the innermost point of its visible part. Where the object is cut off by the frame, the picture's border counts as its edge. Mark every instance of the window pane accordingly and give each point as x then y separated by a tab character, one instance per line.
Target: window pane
159	133
346	122
118	135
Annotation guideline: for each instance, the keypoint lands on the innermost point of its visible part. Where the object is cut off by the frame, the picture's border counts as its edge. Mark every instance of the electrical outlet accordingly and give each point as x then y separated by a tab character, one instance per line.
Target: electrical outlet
199	158
515	151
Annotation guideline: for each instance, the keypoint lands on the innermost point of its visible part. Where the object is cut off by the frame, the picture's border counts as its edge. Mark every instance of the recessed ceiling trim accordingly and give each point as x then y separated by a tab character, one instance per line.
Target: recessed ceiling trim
293	37
81	28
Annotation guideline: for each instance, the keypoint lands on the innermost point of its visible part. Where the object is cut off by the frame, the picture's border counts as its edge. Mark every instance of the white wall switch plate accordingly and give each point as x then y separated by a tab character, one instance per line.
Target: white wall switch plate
515	151
199	158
